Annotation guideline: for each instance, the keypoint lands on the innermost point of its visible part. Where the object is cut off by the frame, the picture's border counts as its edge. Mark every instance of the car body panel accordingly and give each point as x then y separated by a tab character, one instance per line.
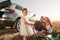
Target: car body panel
15	15
12	16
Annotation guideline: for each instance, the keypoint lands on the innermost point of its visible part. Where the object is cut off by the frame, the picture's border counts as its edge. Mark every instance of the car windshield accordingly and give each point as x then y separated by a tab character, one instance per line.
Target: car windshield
2	1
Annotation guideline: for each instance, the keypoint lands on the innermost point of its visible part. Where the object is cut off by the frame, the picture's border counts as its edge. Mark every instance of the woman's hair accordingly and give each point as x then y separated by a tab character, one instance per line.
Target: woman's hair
24	9
48	20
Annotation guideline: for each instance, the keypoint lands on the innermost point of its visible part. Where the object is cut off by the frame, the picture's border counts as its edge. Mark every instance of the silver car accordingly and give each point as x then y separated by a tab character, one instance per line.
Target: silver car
11	16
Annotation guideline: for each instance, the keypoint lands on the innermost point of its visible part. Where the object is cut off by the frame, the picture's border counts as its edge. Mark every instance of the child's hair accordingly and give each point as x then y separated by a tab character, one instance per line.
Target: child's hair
24	9
39	26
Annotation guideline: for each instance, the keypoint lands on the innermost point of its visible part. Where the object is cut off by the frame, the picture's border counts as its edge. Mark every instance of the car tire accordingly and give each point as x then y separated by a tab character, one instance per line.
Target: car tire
17	25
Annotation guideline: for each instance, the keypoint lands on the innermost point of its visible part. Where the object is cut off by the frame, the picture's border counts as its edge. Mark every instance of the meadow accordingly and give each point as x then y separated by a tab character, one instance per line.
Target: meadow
16	36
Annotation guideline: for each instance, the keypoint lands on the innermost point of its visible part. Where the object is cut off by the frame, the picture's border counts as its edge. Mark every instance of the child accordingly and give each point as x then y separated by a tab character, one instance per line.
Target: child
25	28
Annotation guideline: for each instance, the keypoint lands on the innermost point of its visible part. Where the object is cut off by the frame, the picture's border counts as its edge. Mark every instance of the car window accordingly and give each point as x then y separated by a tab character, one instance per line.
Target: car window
2	0
19	7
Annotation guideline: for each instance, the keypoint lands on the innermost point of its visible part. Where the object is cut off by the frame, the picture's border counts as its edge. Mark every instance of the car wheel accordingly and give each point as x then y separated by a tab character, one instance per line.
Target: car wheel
17	25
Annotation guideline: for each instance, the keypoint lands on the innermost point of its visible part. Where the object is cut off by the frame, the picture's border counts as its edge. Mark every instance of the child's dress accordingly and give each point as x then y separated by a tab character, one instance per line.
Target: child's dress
25	29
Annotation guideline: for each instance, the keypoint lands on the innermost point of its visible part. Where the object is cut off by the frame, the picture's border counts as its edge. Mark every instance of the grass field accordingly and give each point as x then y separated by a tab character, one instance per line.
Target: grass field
16	36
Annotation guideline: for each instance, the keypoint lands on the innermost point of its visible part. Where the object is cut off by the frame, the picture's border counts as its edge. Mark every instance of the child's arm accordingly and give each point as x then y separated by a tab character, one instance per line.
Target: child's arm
27	21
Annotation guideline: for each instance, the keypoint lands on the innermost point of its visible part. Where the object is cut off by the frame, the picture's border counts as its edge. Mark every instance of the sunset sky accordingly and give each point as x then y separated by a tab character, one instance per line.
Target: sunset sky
50	8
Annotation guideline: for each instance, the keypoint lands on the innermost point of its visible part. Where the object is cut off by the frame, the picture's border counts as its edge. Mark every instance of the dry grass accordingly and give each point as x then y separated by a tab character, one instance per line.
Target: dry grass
56	26
12	35
9	34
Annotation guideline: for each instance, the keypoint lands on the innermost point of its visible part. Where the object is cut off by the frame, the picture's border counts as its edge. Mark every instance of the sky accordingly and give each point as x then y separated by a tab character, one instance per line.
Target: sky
49	8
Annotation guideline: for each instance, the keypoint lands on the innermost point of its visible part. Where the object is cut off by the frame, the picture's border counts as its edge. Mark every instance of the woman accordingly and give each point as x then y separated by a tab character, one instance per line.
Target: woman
25	27
48	25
